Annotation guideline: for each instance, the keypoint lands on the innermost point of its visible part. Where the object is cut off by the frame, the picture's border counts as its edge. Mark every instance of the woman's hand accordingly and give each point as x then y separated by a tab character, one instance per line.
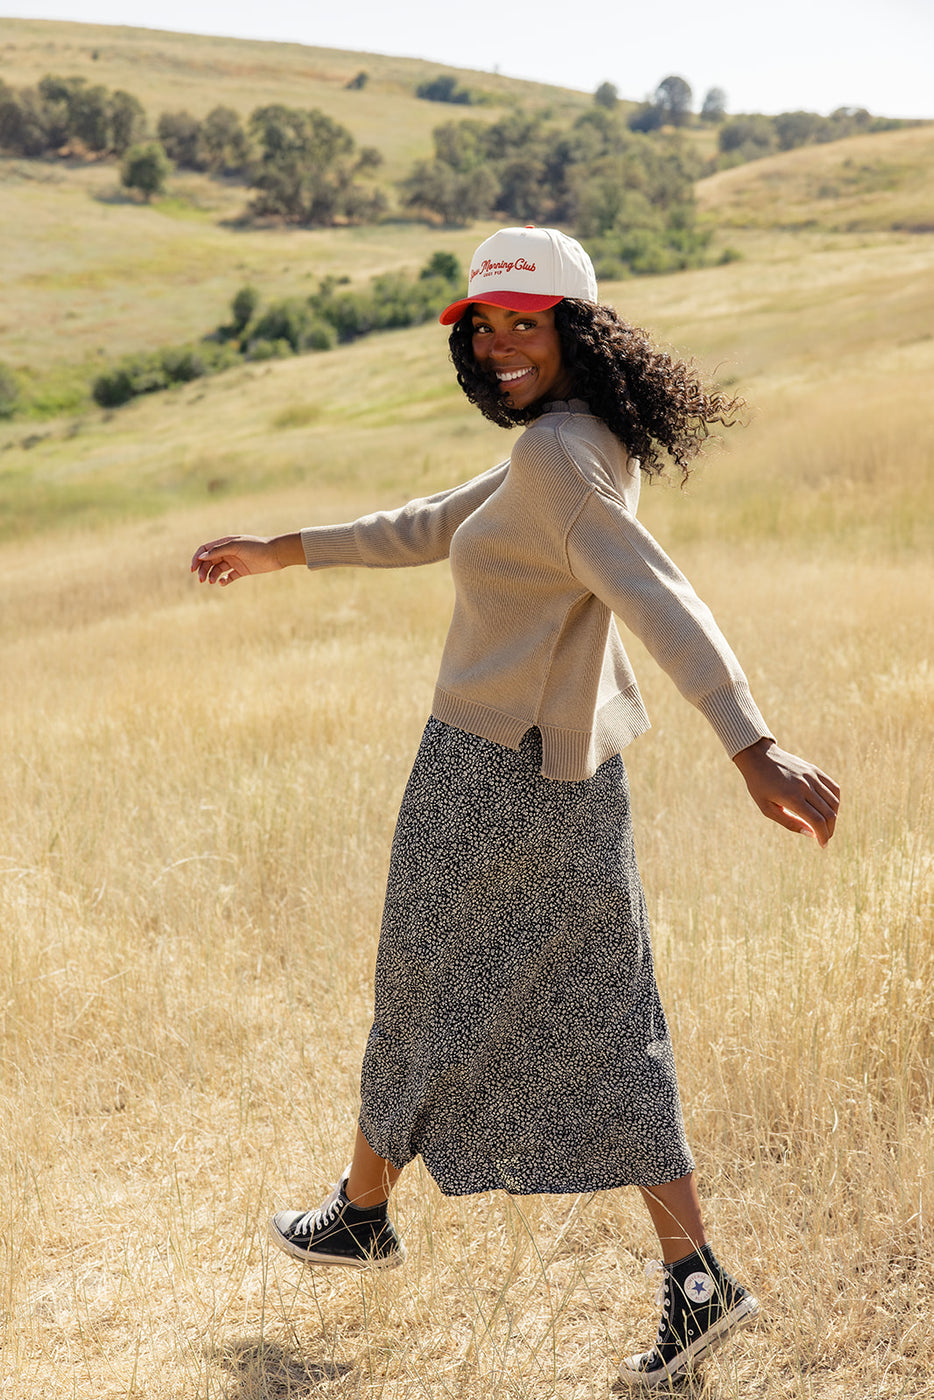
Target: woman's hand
789	790
225	560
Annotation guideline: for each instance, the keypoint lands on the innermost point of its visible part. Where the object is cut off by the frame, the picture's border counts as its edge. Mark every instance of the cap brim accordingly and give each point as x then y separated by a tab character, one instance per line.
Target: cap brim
510	301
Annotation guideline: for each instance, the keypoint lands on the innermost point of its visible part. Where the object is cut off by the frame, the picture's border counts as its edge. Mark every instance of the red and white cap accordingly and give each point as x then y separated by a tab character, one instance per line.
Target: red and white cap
526	269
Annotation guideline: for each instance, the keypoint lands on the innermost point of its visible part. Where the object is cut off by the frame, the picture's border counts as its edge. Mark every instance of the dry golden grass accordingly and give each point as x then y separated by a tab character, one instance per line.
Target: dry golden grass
882	181
198	797
196	804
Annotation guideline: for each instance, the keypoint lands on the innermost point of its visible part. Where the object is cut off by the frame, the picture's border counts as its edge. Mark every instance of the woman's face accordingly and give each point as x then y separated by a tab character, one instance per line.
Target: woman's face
523	350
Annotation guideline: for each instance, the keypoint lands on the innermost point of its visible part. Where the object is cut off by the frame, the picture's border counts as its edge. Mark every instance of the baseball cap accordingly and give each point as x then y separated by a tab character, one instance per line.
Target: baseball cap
526	269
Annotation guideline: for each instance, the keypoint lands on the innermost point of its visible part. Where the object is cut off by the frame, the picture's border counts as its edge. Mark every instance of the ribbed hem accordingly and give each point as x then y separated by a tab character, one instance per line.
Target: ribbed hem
618	722
329	546
735	717
568	755
478	719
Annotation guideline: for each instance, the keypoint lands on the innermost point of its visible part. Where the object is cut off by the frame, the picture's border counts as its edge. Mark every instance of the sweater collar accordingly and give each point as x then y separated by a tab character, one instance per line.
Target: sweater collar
567	406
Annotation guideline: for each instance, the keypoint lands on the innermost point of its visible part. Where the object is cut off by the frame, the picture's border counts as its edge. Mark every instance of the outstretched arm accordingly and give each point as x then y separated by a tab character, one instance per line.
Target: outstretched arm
789	790
225	560
417	533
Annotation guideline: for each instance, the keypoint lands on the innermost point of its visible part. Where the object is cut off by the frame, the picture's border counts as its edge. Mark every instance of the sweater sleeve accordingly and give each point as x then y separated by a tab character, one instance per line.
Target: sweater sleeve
417	533
616	558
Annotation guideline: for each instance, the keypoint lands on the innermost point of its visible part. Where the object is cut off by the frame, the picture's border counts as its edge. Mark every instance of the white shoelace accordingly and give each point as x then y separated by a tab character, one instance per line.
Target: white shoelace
662	1299
653	1267
325	1214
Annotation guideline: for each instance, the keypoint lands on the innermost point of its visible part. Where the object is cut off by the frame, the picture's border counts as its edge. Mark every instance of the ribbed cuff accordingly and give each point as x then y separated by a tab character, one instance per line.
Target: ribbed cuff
735	717
330	546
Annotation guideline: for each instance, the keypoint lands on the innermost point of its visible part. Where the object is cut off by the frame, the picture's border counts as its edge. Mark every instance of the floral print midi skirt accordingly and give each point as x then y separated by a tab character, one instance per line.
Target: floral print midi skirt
518	1040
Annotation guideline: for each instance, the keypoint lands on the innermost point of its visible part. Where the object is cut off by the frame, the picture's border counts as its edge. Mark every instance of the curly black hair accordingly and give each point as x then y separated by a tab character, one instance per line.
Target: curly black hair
659	408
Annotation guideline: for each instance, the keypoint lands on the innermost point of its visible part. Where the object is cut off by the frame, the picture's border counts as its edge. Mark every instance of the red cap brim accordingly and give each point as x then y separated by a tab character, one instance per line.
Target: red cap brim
510	301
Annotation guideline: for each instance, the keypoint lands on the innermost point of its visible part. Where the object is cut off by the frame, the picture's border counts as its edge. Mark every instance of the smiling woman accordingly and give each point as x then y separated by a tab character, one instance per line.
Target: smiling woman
518	1039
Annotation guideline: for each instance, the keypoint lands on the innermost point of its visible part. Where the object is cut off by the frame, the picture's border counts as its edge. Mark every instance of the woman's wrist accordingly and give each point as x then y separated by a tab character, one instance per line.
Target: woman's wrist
747	757
287	549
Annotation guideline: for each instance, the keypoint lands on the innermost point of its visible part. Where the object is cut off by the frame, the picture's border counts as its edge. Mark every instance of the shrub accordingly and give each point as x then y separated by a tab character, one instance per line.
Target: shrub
288	320
243	308
261	349
9	392
647	117
145	168
27	127
180	136
749	134
320	335
183	364
113	388
148	373
224	147
444	265
444	88
128	122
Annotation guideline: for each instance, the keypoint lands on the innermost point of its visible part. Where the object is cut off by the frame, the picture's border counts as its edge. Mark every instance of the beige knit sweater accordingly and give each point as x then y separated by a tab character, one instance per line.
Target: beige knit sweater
544	548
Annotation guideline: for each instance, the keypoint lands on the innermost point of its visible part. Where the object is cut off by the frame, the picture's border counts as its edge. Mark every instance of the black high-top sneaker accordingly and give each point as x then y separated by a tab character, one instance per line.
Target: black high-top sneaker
339	1233
701	1306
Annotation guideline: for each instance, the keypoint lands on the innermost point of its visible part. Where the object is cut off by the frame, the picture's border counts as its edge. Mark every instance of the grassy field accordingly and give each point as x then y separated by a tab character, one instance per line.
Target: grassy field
197	799
103	276
866	182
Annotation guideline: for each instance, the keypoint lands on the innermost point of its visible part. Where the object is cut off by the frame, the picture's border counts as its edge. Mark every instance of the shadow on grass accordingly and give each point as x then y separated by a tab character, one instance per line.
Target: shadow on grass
261	1369
113	194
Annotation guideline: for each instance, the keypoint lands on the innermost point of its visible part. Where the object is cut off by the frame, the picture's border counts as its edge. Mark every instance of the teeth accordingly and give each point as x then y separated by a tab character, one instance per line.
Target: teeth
504	375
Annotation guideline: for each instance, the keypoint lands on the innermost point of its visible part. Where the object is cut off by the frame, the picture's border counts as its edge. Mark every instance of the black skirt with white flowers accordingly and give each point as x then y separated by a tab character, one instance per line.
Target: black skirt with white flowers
518	1040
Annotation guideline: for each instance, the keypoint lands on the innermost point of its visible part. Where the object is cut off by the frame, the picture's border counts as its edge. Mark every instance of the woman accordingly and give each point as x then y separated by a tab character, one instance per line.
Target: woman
518	1040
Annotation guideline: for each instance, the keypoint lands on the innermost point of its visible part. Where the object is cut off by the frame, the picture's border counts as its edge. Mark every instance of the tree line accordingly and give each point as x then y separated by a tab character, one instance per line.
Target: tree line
621	180
302	165
629	196
747	136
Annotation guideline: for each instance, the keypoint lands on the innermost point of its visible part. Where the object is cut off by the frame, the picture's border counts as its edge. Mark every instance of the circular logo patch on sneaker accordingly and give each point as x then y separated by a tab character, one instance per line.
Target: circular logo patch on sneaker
698	1288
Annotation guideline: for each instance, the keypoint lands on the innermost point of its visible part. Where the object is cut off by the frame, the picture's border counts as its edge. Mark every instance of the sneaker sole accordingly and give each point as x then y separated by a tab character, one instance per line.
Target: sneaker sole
743	1315
369	1264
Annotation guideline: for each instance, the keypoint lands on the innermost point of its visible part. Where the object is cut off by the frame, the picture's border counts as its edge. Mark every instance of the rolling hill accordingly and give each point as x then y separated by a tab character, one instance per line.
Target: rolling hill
168	72
879	182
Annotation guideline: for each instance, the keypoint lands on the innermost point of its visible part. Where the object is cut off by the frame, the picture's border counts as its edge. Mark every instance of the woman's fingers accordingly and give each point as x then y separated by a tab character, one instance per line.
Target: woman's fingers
816	817
789	790
205	550
225	560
